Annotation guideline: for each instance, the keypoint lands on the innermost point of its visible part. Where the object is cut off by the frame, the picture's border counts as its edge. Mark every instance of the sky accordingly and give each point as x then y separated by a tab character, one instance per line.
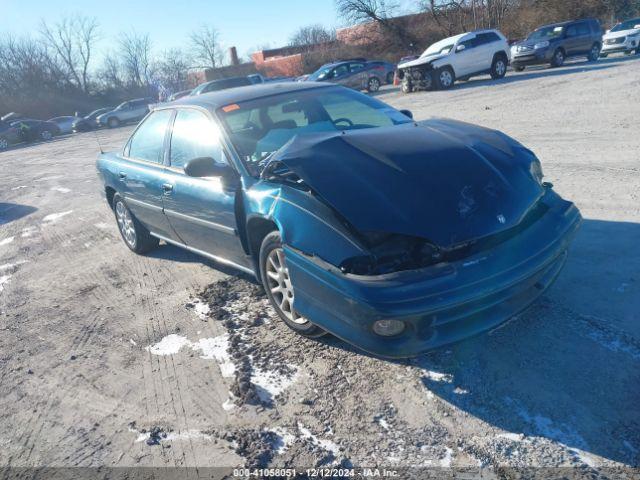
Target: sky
243	23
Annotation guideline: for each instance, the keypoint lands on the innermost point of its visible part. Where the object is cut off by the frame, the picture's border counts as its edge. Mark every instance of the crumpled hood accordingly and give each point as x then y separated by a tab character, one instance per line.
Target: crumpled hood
422	60
445	181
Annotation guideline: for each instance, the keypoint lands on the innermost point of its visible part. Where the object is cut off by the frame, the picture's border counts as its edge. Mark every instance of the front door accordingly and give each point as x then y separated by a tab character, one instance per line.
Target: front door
201	210
464	61
141	174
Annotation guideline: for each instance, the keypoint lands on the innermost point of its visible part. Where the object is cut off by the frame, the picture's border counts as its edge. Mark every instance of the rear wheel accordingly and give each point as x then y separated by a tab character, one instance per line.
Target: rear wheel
4	143
498	67
135	235
558	58
373	85
594	53
445	78
277	284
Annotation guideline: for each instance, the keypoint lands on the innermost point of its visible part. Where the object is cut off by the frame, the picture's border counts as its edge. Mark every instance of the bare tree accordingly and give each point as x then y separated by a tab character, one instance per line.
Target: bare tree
171	69
73	40
135	52
381	13
206	47
312	35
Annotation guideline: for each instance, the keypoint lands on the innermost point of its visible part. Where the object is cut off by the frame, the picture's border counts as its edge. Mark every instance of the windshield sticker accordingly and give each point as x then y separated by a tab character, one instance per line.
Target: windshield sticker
231	108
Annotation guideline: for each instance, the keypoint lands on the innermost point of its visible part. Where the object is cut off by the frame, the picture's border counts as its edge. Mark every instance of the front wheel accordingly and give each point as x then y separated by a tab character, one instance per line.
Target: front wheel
46	135
277	284
4	143
499	67
135	235
594	53
558	58
373	85
445	78
113	122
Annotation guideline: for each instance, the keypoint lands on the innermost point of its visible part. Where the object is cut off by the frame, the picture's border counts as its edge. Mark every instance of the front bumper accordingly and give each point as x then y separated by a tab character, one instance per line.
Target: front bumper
440	304
532	57
628	46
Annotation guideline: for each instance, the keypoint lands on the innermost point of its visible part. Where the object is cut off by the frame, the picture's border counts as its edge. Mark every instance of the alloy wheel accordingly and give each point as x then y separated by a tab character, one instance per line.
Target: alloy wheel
3	143
125	224
501	68
280	285
374	84
559	58
46	135
595	52
446	79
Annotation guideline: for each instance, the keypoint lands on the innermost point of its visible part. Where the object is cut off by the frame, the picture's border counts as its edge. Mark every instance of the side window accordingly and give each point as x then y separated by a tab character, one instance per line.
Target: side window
469	43
572	31
147	142
340	70
354	67
583	29
194	135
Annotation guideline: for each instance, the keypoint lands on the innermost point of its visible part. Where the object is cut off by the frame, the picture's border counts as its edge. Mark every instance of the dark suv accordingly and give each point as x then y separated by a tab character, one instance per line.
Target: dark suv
554	43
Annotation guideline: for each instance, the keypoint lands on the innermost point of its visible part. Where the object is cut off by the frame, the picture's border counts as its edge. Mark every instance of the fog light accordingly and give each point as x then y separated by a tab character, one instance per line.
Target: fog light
388	328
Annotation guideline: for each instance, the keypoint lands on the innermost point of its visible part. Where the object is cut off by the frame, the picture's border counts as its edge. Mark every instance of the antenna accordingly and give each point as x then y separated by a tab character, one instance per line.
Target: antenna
95	134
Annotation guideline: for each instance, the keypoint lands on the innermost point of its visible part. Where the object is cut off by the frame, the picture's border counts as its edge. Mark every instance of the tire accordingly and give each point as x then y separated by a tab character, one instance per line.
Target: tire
46	135
373	85
499	67
113	122
444	78
558	58
277	285
518	68
406	86
4	143
390	78
133	233
638	50
594	53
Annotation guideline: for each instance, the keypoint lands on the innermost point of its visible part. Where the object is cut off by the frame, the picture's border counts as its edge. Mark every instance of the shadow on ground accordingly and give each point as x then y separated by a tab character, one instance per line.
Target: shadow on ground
13	211
553	372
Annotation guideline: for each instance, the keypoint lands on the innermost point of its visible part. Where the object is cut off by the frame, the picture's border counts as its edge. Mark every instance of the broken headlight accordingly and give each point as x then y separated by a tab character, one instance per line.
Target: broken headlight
392	253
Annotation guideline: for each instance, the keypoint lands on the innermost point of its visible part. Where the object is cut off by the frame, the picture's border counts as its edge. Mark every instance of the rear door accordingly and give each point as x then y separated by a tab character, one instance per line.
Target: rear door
575	38
201	210
359	75
341	74
142	173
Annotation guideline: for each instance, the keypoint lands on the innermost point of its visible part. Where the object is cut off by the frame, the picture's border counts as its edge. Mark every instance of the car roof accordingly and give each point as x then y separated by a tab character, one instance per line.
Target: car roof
220	98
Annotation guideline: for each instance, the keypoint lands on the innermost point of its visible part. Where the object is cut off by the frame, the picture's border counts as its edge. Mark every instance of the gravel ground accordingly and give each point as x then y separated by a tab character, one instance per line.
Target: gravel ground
108	358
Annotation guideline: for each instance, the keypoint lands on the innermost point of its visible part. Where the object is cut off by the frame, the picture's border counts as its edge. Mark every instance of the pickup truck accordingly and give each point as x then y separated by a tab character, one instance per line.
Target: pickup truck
395	236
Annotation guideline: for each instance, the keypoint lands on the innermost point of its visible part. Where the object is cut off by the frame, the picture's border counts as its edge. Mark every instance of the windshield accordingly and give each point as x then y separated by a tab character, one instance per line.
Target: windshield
628	25
257	128
546	33
319	74
441	47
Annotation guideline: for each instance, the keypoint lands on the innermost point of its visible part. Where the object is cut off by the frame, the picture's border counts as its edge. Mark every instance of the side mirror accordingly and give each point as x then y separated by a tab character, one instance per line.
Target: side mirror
206	167
460	48
407	113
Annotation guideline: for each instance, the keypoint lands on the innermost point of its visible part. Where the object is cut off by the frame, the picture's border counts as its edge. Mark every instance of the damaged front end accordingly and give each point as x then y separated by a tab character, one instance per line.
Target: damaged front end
402	246
415	78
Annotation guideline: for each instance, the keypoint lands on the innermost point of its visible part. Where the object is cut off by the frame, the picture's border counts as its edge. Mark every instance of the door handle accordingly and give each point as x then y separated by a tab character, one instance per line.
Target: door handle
122	175
167	187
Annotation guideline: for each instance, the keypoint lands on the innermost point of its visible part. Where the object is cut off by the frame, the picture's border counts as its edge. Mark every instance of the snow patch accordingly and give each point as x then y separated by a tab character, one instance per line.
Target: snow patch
514	437
28	232
327	445
270	384
4	279
438	377
169	345
19	187
12	266
283	439
49	219
102	225
201	308
61	189
6	241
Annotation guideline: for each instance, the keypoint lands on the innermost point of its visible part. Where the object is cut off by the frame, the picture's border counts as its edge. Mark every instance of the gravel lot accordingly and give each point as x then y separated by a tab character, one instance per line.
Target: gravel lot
107	358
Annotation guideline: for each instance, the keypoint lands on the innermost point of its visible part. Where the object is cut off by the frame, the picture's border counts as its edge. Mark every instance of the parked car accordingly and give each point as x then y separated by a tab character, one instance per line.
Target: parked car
32	130
624	37
126	112
553	44
180	94
90	121
9	135
395	236
456	58
349	73
221	84
65	124
384	70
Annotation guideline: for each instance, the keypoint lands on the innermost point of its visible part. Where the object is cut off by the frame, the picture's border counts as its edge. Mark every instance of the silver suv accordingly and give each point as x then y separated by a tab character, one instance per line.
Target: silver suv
130	111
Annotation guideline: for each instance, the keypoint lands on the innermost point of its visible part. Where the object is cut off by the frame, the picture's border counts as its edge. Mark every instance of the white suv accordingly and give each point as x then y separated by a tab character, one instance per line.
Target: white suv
624	37
458	57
